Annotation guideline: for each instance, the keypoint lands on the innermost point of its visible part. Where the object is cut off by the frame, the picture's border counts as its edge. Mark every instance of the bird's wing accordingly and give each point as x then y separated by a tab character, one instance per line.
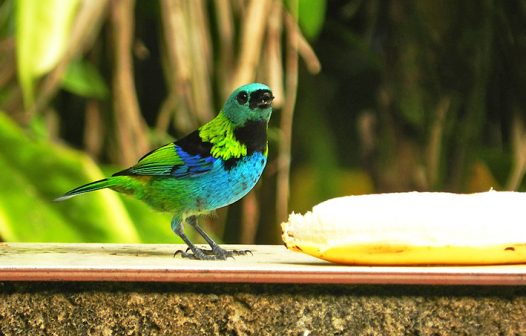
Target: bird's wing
186	157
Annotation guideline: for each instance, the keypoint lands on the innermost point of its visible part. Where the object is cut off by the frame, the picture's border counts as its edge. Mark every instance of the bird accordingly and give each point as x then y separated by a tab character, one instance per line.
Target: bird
211	167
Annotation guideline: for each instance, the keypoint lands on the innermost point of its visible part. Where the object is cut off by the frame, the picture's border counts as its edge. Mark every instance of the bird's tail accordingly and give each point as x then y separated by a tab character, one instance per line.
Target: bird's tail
100	184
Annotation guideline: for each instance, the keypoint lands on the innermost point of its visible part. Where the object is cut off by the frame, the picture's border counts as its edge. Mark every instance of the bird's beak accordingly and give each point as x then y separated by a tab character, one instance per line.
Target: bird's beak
266	100
261	99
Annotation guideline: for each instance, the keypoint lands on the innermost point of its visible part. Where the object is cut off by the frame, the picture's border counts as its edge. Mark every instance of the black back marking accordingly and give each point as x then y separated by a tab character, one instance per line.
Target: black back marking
194	145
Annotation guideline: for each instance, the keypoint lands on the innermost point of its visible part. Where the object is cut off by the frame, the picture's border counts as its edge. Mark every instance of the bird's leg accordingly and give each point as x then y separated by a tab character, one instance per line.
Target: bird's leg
217	251
178	229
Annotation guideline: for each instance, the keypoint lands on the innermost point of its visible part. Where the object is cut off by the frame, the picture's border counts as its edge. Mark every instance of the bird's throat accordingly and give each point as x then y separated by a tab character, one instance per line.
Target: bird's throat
229	142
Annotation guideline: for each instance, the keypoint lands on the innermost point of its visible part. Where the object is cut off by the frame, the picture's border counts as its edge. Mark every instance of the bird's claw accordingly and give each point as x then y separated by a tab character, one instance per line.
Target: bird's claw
229	252
212	254
242	252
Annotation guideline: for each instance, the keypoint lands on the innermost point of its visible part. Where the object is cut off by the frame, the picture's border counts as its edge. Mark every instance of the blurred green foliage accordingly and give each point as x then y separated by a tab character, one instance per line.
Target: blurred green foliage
413	95
30	181
42	29
311	16
83	79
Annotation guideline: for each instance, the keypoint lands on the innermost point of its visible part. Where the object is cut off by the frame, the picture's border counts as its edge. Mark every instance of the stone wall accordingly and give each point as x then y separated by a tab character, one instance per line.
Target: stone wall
105	308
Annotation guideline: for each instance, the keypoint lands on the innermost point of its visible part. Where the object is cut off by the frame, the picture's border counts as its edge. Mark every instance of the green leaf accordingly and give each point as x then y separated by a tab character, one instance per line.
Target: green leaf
24	215
36	172
42	32
311	16
83	79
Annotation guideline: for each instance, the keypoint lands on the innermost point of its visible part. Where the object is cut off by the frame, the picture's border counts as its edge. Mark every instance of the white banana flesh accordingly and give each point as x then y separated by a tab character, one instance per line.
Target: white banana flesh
414	228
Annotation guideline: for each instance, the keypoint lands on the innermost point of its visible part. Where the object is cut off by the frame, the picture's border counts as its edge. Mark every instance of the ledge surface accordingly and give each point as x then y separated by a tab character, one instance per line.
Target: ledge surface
272	264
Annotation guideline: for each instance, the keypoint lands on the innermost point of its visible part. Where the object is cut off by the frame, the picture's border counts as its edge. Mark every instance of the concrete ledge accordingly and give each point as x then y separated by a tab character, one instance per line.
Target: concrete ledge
111	308
266	264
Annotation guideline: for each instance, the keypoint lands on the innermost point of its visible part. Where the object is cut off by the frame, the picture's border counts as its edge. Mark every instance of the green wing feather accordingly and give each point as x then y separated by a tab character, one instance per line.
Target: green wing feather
158	162
165	155
172	160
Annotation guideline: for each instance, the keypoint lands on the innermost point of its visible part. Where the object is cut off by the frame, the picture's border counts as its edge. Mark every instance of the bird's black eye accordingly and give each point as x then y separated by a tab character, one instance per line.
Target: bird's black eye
242	97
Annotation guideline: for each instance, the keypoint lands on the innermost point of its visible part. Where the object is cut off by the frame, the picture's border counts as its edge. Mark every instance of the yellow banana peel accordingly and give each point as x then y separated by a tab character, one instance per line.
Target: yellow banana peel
413	228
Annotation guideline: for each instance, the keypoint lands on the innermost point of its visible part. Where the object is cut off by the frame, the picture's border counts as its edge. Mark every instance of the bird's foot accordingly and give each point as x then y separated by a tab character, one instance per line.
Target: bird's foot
216	253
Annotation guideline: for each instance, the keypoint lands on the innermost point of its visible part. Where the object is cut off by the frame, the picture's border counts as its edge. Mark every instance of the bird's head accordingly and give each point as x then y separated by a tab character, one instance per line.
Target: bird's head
250	102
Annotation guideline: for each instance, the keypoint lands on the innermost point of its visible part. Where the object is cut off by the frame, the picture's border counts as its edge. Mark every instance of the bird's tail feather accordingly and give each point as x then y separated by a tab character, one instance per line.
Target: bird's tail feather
100	184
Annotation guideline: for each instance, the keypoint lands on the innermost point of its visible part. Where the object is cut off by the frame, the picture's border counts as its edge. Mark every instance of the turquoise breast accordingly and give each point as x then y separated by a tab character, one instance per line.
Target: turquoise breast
224	184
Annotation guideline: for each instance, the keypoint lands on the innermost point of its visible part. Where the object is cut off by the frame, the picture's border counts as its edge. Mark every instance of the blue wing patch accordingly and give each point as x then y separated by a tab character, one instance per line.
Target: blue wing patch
171	160
194	165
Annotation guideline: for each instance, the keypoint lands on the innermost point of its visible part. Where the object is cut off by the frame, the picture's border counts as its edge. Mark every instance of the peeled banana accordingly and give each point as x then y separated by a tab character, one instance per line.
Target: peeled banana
413	228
